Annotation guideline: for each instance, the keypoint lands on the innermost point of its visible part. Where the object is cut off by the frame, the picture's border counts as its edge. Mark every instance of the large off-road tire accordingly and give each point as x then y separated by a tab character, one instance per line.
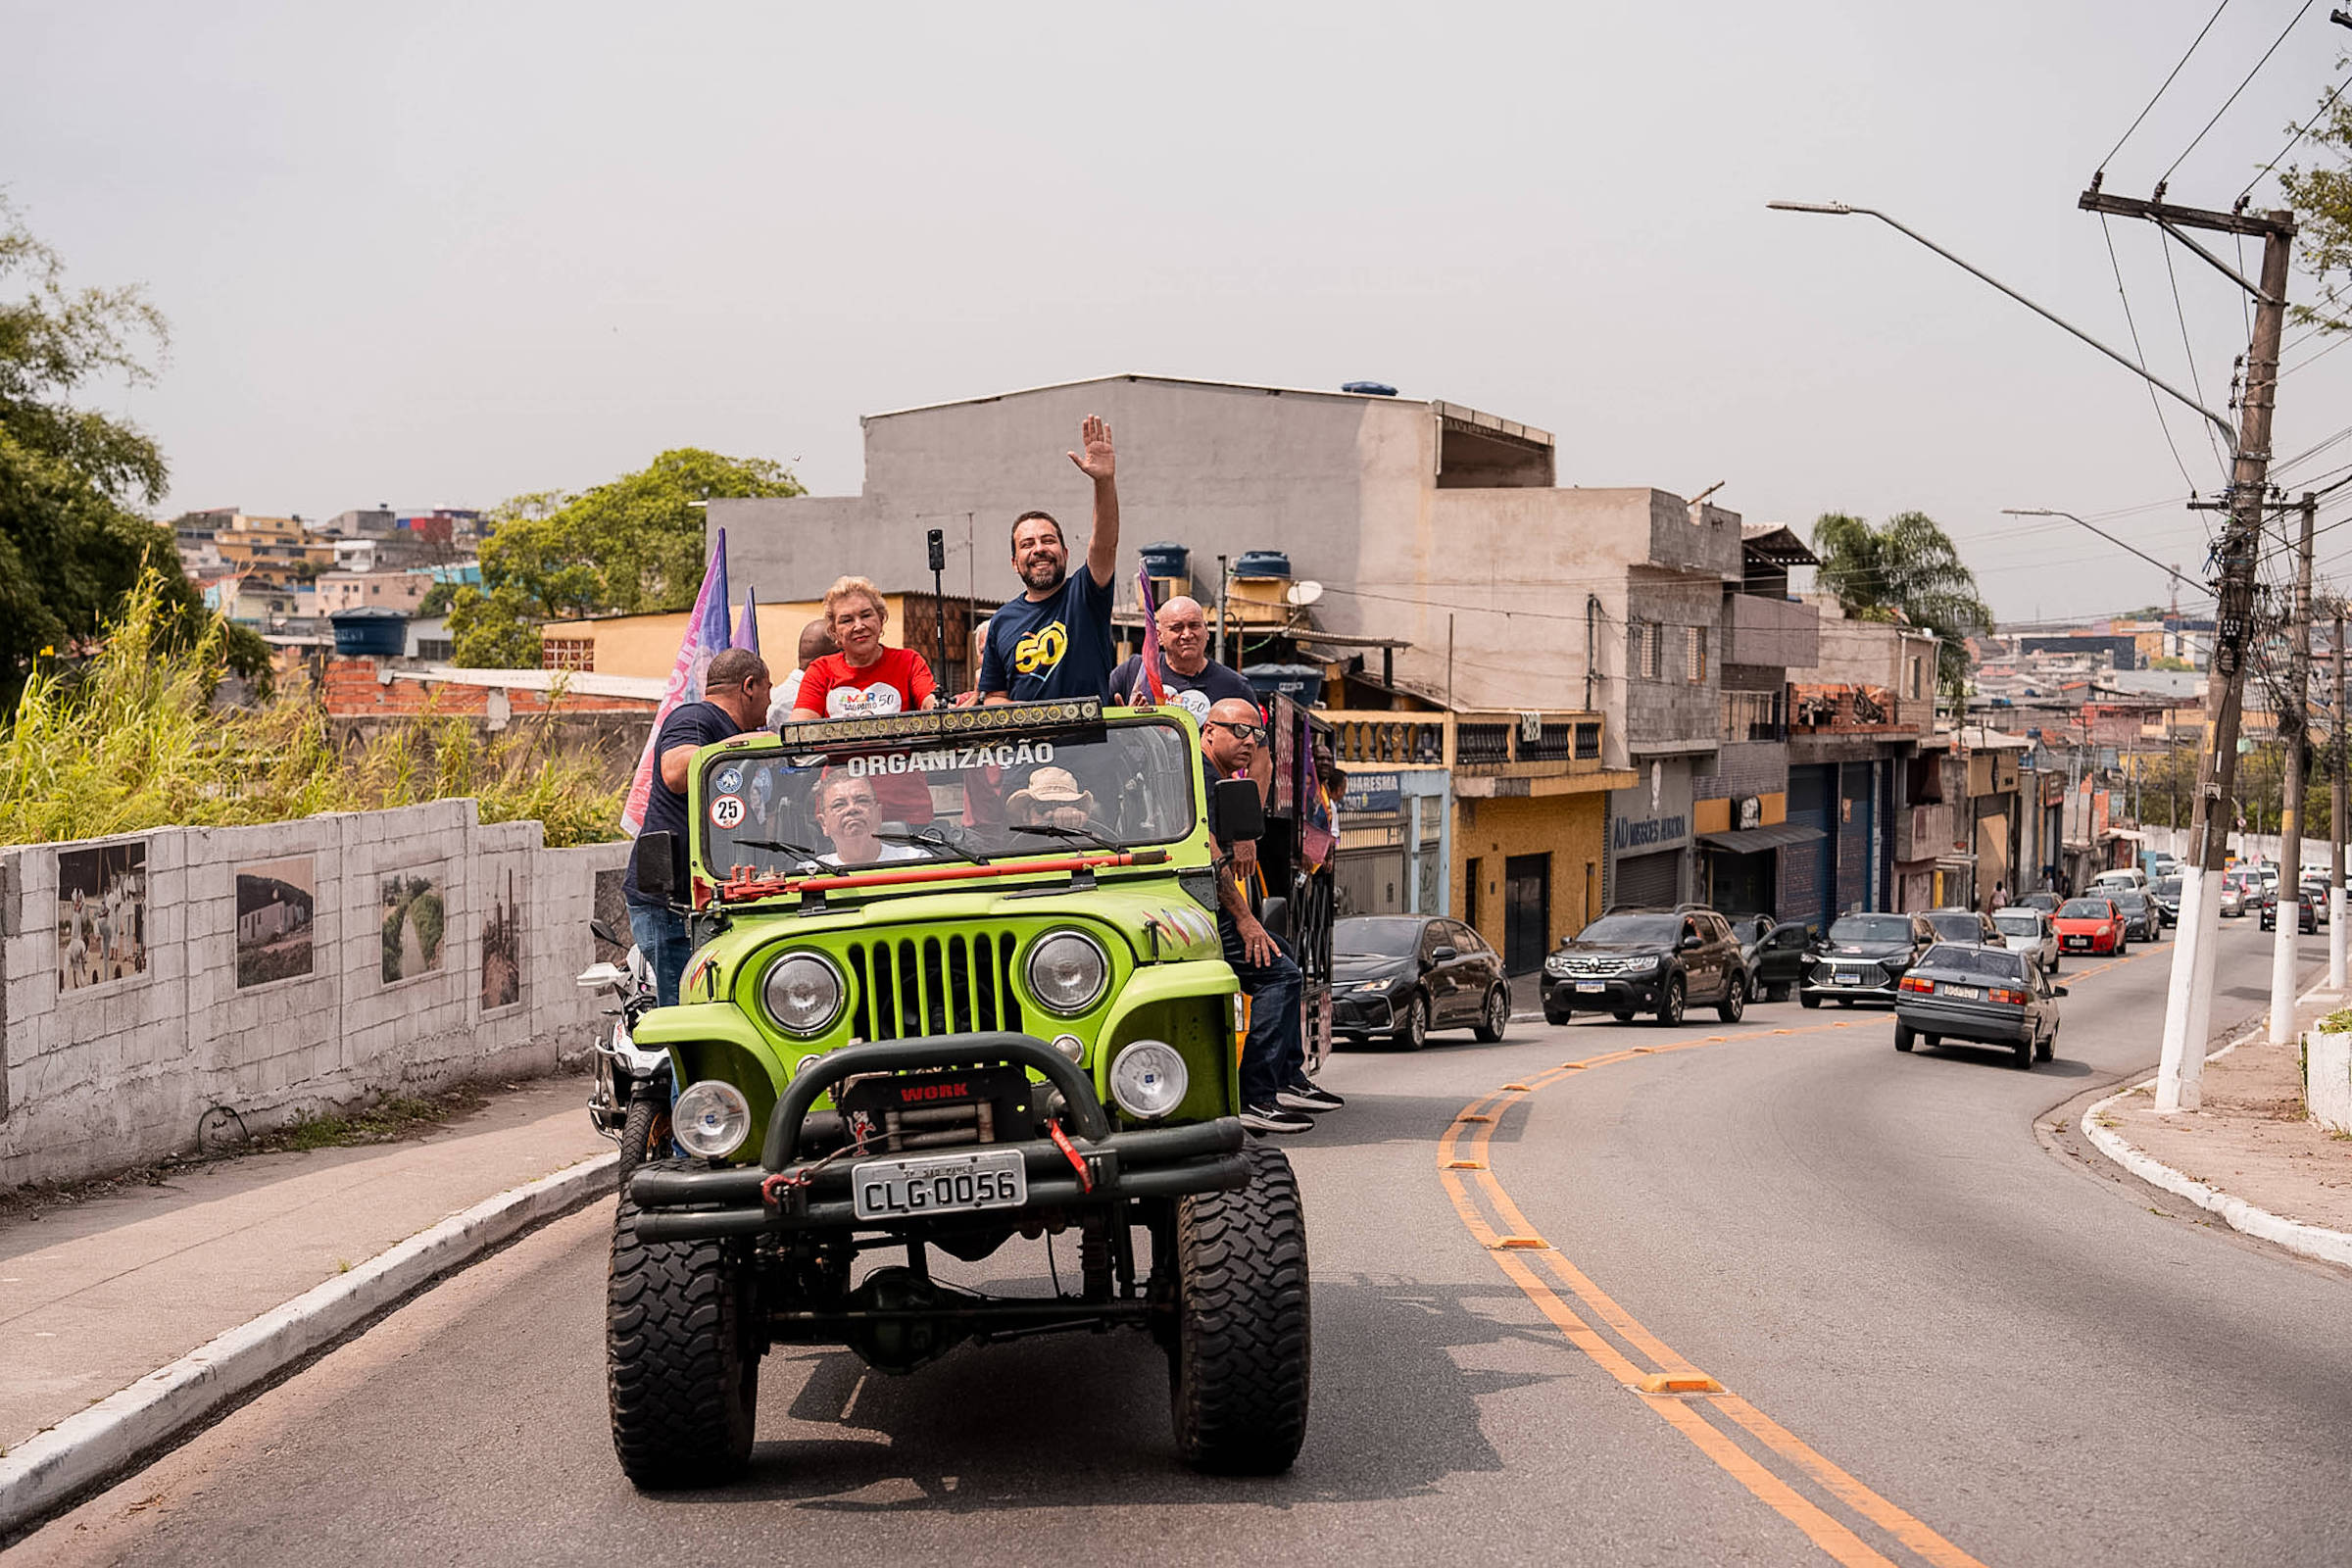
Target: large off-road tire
1495	1021
683	1370
1240	1368
644	1136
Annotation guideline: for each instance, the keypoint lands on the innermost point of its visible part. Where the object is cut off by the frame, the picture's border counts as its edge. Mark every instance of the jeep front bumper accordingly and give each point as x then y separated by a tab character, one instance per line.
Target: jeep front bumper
816	1192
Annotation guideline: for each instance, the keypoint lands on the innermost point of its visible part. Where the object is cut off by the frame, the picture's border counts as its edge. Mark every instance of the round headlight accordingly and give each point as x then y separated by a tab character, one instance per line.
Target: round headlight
802	993
1148	1079
710	1118
1067	972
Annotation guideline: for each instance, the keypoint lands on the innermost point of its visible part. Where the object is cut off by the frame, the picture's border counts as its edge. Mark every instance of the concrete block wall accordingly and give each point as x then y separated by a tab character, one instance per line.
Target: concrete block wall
115	1074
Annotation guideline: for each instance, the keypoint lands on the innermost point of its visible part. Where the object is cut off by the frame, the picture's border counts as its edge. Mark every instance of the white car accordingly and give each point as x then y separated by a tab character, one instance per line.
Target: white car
2122	877
2029	931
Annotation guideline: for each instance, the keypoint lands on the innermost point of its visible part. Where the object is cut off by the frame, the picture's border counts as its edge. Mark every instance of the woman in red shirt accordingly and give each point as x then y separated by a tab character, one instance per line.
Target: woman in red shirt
867	680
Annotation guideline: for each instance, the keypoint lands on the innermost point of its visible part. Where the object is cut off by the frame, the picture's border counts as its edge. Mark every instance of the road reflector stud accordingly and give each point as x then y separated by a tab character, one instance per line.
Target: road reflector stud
1520	1244
1678	1383
1573	1066
1473	1118
1465	1164
1642	1051
1715	1039
1784	1031
1515	1089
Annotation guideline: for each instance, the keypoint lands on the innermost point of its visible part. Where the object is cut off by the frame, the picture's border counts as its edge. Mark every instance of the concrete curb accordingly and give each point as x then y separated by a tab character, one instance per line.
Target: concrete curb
2307	1240
91	1445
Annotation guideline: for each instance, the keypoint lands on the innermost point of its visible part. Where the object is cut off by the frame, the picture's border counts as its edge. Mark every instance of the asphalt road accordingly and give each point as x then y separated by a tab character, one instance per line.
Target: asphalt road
1943	1338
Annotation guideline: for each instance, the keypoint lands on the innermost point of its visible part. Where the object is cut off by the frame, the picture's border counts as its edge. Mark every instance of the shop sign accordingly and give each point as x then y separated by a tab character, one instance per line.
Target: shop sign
1373	792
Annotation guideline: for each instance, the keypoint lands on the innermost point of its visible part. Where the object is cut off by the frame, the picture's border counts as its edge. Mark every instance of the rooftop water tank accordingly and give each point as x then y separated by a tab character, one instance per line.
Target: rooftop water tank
1165	559
1301	683
1263	563
373	630
1369	389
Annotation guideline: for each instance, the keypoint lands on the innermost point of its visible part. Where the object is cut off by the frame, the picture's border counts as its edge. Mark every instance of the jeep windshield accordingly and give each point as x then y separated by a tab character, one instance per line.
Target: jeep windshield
850	804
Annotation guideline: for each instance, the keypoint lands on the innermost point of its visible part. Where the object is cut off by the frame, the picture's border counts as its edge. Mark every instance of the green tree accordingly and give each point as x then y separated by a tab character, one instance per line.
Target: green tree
436	599
628	546
71	548
1906	568
2322	198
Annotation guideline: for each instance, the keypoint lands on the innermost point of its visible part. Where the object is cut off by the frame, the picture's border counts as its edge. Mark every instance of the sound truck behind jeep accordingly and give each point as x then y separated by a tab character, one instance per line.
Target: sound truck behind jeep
995	1009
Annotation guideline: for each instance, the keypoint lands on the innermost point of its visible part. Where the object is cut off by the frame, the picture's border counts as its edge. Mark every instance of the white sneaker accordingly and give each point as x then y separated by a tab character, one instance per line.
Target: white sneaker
1274	1119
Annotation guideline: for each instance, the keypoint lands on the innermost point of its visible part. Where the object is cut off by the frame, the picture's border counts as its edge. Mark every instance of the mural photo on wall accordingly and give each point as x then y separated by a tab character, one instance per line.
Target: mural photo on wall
101	915
502	948
413	916
275	901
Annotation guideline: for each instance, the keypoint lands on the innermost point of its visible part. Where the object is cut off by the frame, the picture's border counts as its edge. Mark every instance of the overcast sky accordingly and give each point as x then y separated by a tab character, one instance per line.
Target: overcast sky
441	254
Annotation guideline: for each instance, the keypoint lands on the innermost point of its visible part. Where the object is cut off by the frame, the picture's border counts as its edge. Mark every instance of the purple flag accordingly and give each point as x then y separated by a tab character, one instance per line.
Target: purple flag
705	635
747	630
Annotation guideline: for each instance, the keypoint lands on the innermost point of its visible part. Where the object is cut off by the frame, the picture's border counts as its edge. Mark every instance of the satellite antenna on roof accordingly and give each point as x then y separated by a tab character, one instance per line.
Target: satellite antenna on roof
1303	593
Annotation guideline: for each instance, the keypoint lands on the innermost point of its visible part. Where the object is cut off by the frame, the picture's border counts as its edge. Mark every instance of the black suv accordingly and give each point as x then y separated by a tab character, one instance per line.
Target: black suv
1862	957
1647	960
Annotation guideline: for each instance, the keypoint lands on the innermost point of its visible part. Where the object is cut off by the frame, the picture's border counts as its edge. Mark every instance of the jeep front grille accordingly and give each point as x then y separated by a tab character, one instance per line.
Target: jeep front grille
933	985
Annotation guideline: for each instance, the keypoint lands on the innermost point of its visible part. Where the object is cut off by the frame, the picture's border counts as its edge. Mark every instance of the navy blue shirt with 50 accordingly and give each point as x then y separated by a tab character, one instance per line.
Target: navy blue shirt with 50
1059	645
694	724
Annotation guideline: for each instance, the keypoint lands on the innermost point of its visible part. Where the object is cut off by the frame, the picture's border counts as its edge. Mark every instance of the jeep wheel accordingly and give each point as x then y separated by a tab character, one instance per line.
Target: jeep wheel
1670	1011
1735	999
1240	1367
682	1374
644	1136
1497	1017
1412	1029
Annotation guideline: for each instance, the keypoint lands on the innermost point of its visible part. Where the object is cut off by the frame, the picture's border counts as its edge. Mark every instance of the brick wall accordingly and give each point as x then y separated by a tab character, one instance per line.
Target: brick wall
97	1077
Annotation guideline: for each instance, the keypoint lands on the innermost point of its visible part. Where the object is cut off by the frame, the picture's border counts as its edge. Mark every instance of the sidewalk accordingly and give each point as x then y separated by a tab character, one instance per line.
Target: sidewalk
96	1295
2248	1153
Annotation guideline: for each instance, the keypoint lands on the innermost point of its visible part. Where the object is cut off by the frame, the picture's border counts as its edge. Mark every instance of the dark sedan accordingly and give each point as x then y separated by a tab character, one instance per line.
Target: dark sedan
2307	913
1984	996
1403	975
2141	920
1863	956
2166	892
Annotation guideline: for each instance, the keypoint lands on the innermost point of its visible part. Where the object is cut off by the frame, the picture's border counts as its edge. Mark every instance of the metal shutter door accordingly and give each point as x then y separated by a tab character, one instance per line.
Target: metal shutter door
1648	879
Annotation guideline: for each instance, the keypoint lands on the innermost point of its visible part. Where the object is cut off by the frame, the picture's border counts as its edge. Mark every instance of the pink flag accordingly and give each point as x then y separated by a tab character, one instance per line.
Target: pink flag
1151	656
705	635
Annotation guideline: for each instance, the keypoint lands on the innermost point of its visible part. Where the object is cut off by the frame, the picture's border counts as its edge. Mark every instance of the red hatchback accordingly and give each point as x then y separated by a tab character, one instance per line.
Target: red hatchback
2090	925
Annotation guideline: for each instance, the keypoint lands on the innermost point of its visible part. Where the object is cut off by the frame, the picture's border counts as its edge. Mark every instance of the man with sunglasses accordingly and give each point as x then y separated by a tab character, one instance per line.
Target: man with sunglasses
1275	1088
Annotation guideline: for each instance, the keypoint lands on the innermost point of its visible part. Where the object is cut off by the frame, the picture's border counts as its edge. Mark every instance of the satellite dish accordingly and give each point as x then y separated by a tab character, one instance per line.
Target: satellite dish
1303	593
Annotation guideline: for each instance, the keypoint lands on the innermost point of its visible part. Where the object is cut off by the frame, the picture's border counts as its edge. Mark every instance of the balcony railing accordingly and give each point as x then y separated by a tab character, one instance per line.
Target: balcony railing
1547	742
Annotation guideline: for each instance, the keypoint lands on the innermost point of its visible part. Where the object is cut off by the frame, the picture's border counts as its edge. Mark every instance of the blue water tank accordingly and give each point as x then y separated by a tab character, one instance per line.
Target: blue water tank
1369	389
1166	560
374	630
1263	563
1301	683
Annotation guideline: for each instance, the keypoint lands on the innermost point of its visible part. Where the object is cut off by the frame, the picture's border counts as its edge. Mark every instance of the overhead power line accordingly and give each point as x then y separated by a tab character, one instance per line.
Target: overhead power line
2141	355
2301	132
2168	82
2232	98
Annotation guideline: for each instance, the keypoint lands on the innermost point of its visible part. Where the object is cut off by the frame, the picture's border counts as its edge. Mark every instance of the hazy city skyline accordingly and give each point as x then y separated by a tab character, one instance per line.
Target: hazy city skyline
439	257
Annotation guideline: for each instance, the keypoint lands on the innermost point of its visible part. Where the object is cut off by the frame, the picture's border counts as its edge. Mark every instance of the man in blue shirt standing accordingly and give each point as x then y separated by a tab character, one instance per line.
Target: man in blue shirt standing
735	697
1054	640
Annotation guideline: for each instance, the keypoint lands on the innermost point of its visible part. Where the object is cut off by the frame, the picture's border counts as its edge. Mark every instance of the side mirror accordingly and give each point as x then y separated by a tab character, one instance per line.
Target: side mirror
604	933
1236	811
656	862
2057	991
1443	955
1691	942
1275	916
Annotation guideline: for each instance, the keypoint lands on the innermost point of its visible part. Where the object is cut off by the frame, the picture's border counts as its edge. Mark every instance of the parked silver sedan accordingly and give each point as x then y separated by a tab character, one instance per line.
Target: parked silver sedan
2029	932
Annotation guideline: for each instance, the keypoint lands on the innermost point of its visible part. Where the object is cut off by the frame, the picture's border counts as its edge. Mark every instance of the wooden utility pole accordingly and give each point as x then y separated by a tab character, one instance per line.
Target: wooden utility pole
2189	1003
2294	722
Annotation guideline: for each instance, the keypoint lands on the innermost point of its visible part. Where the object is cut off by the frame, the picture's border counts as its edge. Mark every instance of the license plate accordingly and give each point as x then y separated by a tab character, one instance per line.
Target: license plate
2078	942
942	1184
1849	977
1964	993
1593	986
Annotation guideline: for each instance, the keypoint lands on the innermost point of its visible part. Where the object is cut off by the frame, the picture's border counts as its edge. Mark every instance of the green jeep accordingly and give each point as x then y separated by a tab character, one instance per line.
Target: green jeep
957	980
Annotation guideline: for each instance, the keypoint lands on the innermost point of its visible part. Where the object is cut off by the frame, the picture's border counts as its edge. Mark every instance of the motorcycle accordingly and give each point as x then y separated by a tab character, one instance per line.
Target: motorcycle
630	1101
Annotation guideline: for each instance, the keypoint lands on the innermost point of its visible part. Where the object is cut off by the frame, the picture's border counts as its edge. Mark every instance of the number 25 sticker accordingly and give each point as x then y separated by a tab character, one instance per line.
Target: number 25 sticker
726	812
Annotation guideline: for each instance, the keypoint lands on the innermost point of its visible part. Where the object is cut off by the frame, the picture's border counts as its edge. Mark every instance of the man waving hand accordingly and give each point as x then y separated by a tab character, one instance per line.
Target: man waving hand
1054	640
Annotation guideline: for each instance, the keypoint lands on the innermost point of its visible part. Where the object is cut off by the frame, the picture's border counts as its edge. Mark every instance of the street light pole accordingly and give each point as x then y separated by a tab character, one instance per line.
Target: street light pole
2335	820
2294	721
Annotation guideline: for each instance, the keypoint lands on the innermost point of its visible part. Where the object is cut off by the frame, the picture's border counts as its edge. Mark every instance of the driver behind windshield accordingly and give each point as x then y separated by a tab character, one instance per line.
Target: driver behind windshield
847	815
1050	799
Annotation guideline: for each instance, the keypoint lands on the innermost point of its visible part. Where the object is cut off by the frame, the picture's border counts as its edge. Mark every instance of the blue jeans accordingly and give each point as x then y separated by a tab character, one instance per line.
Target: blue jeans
662	937
1275	1052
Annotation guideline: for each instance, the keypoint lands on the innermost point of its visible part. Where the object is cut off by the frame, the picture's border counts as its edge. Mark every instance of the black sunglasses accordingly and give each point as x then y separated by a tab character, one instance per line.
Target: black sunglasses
1247	732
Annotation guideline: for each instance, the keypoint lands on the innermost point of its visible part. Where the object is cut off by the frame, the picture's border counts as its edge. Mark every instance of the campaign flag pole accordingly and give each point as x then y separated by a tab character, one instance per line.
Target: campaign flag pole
747	630
705	635
1150	654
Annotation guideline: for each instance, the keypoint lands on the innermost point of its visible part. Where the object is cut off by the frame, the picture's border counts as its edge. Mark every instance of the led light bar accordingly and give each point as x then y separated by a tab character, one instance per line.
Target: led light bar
974	720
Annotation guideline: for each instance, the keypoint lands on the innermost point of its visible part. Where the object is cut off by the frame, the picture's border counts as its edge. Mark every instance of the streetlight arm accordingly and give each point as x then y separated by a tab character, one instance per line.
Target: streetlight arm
1840	208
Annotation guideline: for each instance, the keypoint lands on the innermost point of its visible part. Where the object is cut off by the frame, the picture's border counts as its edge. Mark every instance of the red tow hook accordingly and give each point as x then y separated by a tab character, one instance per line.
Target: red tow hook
771	1190
1061	1140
